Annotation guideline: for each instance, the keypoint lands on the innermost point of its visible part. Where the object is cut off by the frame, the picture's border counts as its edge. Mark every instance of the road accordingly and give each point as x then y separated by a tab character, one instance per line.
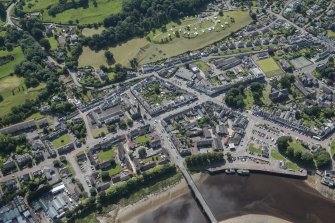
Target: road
9	21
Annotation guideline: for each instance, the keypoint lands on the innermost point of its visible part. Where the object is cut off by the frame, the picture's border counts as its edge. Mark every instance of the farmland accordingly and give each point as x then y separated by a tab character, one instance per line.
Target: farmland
88	15
148	52
8	68
14	92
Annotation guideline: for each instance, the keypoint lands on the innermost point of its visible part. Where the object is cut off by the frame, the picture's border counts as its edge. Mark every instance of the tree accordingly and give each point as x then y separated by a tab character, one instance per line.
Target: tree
142	153
45	44
105	175
286	81
283	143
2	11
1	98
322	159
109	56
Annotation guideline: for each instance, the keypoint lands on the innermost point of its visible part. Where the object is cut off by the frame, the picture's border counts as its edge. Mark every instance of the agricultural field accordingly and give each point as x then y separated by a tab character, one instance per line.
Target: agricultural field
9	67
269	67
14	92
88	15
148	52
92	31
61	141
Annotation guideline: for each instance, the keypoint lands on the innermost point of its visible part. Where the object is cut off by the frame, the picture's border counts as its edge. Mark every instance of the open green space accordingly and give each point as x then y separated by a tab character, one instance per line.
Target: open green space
204	67
254	149
106	155
99	132
15	92
332	148
249	100
292	166
91	218
92	31
297	146
142	139
276	155
152	158
88	15
53	42
114	170
61	141
148	52
269	67
36	116
331	34
8	68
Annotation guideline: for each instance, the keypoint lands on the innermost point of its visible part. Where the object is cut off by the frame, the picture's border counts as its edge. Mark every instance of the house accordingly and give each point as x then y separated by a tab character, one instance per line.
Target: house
148	166
265	152
222	130
9	165
23	160
121	152
207	133
285	64
155	141
225	64
185	74
278	95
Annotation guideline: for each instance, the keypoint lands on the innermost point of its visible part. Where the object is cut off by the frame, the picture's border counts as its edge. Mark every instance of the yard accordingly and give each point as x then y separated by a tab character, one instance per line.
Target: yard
204	67
106	155
53	42
269	67
155	95
147	52
61	141
88	15
8	68
14	92
97	133
142	139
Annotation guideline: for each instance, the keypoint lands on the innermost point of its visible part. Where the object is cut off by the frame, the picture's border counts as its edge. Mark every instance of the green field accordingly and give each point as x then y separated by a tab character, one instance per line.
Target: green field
61	141
204	67
53	42
276	155
254	149
14	92
249	100
142	139
8	68
269	67
106	155
148	52
332	148
98	132
83	15
92	31
331	34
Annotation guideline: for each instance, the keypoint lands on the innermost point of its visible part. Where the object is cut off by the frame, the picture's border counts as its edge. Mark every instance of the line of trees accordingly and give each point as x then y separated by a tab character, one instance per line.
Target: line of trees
138	17
124	189
203	159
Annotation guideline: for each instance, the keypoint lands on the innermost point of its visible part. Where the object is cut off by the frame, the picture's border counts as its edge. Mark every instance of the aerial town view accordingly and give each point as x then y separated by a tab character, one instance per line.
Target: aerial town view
167	111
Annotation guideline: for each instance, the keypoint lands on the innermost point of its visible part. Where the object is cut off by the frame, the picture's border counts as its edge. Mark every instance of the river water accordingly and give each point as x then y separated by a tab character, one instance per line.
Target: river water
231	196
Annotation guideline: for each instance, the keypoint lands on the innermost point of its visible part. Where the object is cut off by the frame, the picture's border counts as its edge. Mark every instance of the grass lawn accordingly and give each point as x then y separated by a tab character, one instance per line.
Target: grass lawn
106	155
61	141
147	52
83	15
14	92
266	96
292	166
204	67
8	68
331	34
70	168
92	31
53	42
114	170
36	116
249	101
152	158
142	139
97	132
254	149
91	218
111	76
269	67
332	148
276	155
297	146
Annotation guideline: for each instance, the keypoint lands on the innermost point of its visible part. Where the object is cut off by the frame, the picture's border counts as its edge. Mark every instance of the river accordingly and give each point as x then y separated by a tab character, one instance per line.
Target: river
231	196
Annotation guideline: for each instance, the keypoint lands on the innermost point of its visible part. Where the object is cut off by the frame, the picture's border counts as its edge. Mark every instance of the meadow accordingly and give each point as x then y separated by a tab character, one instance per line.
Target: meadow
88	15
14	92
147	52
8	68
